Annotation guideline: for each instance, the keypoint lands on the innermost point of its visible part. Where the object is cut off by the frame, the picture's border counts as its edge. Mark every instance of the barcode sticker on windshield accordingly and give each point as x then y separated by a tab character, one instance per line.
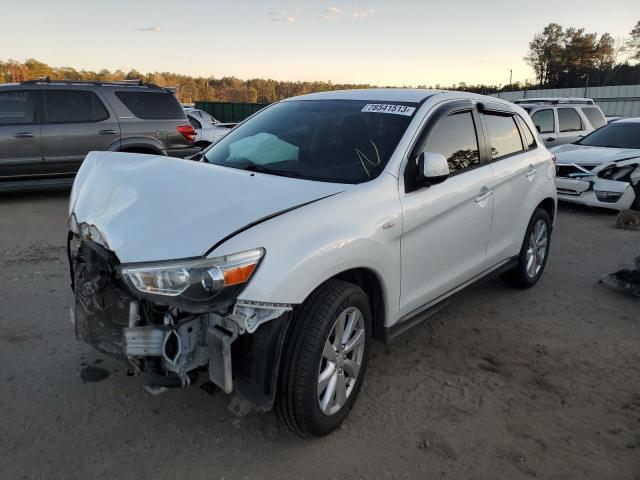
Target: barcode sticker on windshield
386	108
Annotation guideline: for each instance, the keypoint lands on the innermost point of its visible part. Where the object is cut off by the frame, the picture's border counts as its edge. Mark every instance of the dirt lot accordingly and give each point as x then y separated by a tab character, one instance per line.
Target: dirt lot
503	384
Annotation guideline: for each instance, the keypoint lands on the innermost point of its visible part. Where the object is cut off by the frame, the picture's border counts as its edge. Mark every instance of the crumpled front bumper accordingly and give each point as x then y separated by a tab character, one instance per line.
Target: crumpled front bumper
170	347
583	191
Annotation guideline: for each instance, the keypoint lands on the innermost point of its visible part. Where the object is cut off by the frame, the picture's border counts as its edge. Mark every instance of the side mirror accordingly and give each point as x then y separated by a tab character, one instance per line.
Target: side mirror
433	168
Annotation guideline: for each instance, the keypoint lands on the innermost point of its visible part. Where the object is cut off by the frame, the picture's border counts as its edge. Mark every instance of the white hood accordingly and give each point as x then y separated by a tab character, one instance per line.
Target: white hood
591	156
150	208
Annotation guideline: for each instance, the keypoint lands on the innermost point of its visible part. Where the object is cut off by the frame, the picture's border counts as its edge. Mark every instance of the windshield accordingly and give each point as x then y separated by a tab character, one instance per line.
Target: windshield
344	141
614	135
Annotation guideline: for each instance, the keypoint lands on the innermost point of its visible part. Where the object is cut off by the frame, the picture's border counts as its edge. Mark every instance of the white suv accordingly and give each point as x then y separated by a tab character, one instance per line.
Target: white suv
318	224
563	120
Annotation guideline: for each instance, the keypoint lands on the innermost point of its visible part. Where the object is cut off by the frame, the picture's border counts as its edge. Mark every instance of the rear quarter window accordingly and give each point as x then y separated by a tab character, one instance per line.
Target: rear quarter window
528	138
595	116
152	105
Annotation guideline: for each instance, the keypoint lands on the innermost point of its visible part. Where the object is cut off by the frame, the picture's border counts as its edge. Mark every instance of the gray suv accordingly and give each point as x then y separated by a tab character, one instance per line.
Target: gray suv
563	120
48	127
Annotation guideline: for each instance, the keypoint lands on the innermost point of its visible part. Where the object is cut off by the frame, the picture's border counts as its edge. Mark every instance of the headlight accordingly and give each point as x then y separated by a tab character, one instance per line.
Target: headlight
196	280
608	197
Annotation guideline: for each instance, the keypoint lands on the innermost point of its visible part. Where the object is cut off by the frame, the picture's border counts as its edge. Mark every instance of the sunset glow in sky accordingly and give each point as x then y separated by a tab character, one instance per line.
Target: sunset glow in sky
378	42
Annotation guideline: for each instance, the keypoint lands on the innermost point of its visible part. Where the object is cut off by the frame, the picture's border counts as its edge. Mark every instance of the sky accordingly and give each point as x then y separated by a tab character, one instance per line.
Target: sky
368	41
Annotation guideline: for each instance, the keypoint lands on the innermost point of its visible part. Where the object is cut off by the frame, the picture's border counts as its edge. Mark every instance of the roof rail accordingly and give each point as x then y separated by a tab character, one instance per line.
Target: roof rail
555	101
47	80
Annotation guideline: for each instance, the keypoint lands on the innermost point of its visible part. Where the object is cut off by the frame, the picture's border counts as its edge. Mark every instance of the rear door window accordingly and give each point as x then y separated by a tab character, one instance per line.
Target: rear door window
544	121
17	107
73	106
569	120
595	116
161	105
455	138
504	137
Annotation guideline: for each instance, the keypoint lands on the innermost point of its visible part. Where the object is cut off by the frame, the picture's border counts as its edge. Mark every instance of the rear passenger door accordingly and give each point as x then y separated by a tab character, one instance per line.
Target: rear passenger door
545	123
570	125
75	122
513	157
20	149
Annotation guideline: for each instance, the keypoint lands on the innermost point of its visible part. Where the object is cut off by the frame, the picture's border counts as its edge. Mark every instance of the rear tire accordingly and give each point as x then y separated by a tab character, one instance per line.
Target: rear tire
533	253
636	202
322	370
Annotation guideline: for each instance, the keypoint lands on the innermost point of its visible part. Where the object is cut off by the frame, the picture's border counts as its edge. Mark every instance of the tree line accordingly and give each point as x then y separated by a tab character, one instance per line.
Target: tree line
190	89
570	57
559	57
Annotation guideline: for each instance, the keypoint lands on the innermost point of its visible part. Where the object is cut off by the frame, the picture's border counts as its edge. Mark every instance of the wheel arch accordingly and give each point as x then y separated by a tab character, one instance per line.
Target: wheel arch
138	145
370	283
549	205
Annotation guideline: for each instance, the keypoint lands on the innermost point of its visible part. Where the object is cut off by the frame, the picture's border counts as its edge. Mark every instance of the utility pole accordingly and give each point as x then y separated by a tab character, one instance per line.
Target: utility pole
586	86
510	78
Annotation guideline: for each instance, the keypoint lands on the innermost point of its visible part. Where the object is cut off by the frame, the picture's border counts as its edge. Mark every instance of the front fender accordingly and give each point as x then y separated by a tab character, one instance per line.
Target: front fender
359	228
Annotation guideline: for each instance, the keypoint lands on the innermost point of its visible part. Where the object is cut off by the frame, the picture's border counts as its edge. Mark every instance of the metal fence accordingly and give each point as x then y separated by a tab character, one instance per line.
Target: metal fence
618	100
229	112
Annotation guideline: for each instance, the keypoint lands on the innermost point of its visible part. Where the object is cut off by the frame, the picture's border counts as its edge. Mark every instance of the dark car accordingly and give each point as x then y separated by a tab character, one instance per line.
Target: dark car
48	127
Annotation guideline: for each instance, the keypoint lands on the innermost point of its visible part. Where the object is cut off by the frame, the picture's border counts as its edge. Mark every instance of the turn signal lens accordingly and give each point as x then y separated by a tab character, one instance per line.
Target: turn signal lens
239	274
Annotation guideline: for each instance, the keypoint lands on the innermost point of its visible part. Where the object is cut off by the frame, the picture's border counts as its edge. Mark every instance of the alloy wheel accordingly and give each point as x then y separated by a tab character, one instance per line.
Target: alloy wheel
537	249
341	360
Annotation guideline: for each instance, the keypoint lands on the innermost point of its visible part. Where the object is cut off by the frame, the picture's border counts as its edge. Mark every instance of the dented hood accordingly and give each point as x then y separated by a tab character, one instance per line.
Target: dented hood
150	208
590	156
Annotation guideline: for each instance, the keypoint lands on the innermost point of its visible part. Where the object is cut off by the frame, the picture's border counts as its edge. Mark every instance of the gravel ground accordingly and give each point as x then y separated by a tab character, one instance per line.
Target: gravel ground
502	384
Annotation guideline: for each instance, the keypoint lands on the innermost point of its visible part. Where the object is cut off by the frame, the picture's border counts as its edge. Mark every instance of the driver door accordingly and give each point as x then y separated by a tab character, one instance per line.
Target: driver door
446	226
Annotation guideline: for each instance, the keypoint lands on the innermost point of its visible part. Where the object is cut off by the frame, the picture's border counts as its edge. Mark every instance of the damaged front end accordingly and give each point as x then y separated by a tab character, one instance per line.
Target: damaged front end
143	232
174	320
614	185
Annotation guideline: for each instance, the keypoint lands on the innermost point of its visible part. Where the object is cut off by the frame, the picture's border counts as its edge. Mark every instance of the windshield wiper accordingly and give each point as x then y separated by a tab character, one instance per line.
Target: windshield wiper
253	167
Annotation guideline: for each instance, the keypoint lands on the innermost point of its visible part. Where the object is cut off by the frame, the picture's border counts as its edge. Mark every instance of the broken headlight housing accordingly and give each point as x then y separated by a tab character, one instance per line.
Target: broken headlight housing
608	197
192	284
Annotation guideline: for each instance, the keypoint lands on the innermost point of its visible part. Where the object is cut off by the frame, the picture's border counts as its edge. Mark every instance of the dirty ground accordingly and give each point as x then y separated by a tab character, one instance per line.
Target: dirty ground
502	384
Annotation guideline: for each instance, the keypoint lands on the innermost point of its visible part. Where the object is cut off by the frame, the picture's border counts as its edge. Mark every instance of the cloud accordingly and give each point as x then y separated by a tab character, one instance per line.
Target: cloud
361	12
153	29
331	13
281	17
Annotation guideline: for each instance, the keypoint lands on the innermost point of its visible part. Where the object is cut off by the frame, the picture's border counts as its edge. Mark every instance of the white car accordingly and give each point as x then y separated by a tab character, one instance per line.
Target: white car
208	129
603	168
319	224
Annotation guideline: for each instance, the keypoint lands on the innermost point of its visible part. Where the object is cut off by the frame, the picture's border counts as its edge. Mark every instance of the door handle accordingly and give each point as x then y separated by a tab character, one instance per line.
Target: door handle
24	135
550	139
530	172
484	196
107	132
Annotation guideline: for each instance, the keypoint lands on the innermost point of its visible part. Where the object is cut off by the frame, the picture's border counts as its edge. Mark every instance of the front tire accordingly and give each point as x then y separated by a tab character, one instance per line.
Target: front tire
324	359
533	253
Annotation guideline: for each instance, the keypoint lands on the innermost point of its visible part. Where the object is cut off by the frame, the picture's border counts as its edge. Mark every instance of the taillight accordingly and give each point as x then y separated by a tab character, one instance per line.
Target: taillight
187	132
